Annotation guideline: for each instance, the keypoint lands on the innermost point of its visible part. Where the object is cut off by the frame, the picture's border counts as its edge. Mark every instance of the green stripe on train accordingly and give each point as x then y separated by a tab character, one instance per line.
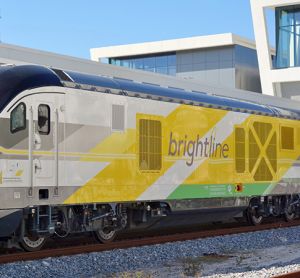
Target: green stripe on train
190	191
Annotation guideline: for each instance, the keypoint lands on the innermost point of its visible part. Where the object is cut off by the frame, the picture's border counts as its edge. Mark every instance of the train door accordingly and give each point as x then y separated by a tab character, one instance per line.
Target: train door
45	133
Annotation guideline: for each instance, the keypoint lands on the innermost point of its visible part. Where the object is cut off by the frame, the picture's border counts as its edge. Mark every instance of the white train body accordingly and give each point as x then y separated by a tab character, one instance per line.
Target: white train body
85	153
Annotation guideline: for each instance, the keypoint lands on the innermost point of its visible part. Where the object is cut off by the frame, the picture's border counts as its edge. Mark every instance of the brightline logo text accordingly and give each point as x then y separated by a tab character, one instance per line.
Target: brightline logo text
207	147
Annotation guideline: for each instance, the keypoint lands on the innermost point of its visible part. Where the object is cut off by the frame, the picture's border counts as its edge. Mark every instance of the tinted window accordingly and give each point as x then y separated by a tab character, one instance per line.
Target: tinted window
18	118
44	119
287	36
164	64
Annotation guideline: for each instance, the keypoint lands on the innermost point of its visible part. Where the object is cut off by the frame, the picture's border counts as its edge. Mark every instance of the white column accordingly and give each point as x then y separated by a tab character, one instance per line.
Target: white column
270	78
262	46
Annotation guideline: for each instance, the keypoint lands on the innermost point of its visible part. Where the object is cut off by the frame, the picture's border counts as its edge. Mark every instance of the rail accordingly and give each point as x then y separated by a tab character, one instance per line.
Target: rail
128	243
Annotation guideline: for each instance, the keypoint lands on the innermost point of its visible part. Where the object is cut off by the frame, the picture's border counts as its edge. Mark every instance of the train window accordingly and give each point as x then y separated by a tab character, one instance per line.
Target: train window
18	118
118	117
287	138
44	119
150	145
240	162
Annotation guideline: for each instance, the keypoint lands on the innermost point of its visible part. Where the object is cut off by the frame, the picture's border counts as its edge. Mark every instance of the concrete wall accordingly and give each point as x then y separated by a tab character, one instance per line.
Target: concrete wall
213	66
229	67
246	69
290	89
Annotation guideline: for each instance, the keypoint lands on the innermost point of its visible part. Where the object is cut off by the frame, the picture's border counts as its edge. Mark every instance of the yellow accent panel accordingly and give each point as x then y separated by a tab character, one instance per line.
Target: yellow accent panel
117	143
19	173
215	170
222	171
121	180
13	151
116	183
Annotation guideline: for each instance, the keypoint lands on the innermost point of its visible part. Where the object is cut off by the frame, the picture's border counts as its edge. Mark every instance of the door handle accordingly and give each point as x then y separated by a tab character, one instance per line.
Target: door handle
37	166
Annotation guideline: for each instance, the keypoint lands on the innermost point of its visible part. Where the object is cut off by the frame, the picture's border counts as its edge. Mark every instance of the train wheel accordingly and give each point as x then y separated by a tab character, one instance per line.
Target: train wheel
289	210
31	244
105	235
253	217
289	215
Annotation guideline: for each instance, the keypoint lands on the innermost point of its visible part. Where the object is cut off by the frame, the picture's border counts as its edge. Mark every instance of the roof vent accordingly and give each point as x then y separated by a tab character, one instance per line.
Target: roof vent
152	84
124	79
176	88
62	75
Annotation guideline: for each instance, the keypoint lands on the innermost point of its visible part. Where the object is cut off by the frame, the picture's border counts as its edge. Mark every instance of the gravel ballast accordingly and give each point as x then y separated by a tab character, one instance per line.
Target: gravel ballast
257	254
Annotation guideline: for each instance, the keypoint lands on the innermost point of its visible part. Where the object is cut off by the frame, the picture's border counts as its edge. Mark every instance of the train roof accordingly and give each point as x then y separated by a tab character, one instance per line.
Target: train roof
15	79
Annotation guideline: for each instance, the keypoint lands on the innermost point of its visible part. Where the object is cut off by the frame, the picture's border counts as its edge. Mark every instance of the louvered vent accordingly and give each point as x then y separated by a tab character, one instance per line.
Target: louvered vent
240	163
298	136
150	145
287	138
263	172
262	151
253	151
272	152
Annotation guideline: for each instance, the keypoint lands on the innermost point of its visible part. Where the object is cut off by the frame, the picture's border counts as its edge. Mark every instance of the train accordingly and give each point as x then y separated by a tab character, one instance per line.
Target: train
83	153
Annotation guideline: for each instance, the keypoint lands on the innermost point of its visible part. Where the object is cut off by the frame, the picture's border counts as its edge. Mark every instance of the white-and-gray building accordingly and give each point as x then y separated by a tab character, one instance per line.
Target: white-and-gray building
224	60
224	64
281	77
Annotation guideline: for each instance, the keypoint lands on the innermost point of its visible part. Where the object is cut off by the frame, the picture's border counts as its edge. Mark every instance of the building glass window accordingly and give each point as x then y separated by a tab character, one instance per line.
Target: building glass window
162	70
172	60
149	63
288	36
172	70
163	64
161	61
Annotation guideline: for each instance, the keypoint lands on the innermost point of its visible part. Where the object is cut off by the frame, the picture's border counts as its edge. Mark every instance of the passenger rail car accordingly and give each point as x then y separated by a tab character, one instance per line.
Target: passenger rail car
83	153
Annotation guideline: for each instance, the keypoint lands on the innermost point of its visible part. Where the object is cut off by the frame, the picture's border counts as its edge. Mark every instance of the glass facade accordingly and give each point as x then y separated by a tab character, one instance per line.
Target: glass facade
288	37
163	64
232	66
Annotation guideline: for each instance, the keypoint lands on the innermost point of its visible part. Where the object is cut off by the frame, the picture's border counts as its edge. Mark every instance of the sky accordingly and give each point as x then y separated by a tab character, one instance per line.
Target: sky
73	27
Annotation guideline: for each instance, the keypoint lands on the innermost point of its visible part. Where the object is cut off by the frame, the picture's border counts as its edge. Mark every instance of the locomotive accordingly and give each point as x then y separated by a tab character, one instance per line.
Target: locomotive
86	153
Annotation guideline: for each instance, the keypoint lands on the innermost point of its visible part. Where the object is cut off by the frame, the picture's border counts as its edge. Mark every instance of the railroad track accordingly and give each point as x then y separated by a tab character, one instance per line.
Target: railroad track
295	274
123	244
